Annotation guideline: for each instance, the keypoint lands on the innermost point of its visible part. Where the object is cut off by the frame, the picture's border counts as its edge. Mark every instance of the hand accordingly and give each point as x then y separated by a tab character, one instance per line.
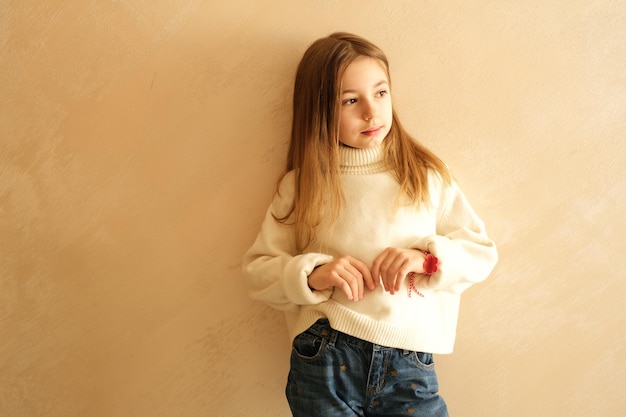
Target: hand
346	273
394	264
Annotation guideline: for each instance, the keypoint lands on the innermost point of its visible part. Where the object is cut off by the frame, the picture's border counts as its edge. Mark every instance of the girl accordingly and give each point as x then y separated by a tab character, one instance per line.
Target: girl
366	247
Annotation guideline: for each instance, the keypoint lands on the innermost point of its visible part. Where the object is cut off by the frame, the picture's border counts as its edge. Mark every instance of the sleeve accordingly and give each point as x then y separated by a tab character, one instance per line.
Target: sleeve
466	254
273	272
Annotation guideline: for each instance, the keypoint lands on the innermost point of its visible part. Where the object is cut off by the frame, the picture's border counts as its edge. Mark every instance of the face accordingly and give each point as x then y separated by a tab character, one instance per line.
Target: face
365	110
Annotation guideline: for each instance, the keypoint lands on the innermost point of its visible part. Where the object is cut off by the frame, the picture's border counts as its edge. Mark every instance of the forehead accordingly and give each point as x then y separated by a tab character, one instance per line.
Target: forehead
364	72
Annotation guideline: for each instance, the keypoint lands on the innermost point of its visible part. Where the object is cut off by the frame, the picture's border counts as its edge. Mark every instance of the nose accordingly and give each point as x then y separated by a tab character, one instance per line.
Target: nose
370	110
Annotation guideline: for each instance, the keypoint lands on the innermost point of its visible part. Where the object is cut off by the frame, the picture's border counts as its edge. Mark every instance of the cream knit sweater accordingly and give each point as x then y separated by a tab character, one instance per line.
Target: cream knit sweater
370	221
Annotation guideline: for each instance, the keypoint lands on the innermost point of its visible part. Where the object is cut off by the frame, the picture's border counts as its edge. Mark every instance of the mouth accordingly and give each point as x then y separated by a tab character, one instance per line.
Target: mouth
372	130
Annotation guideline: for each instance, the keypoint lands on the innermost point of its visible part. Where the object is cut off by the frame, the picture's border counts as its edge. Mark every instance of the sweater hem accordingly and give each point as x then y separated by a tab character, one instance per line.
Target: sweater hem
381	333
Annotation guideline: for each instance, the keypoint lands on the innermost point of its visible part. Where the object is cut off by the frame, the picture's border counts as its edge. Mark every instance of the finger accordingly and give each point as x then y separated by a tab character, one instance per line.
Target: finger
352	281
400	272
399	280
375	274
355	278
364	273
391	267
343	285
388	275
369	280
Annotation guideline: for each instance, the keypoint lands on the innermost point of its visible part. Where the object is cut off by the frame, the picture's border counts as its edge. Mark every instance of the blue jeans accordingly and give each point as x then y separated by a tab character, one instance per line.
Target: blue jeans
336	375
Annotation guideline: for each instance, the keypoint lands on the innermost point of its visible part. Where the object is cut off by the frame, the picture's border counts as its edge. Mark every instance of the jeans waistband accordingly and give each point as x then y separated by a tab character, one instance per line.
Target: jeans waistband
322	329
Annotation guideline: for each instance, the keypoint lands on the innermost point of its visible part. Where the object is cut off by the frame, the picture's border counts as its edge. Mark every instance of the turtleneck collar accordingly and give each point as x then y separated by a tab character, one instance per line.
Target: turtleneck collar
361	161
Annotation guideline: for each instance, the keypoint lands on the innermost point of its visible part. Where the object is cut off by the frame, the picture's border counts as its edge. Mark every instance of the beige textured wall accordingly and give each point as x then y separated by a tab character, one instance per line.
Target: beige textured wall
139	143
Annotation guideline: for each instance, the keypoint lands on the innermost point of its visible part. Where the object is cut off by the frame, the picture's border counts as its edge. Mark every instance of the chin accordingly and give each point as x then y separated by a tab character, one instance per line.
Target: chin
375	143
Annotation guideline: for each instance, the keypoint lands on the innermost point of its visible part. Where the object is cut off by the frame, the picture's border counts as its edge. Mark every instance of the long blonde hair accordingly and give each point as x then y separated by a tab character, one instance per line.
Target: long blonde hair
314	147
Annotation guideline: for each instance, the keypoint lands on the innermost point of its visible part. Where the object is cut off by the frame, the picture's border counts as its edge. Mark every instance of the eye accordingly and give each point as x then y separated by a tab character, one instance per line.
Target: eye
382	93
349	101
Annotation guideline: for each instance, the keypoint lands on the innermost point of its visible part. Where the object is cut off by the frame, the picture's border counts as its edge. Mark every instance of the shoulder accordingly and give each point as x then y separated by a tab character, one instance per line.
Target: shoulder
437	182
286	183
442	189
282	202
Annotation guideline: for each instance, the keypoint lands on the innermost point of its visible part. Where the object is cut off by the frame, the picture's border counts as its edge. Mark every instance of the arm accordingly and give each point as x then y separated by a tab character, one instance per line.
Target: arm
275	276
466	254
273	272
284	279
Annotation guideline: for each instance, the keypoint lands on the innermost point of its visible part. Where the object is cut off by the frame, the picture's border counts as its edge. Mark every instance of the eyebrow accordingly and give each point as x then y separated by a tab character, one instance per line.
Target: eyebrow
378	84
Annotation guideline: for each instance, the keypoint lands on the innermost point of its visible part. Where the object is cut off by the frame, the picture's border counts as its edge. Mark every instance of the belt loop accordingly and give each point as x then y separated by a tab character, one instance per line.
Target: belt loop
333	337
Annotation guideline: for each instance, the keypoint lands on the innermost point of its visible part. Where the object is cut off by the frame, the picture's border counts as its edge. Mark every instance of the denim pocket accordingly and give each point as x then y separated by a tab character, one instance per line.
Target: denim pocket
308	347
423	360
